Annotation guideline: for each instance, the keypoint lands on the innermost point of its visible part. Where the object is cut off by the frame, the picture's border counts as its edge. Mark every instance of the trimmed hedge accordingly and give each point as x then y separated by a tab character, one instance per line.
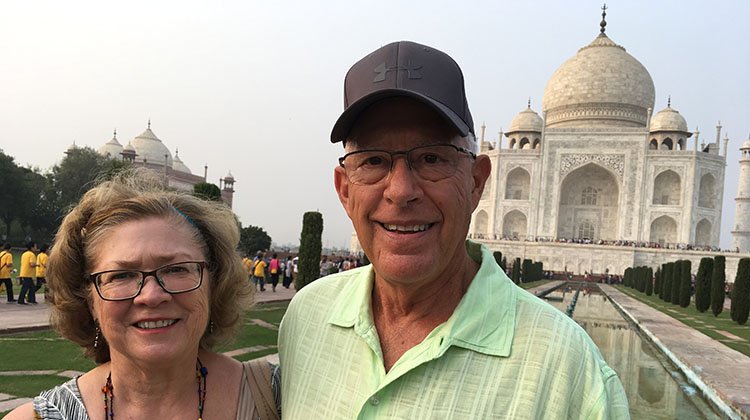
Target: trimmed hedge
740	308
703	284
718	282
685	283
310	248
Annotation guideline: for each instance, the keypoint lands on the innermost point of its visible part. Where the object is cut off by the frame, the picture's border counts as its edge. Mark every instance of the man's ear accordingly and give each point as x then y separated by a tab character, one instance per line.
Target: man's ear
341	182
480	173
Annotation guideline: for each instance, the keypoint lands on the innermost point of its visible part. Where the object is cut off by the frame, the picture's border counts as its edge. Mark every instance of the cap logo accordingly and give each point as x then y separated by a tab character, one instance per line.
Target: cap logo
412	71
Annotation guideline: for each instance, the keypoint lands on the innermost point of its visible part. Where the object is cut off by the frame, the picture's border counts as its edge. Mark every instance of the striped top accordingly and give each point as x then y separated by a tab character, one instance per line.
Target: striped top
64	402
503	354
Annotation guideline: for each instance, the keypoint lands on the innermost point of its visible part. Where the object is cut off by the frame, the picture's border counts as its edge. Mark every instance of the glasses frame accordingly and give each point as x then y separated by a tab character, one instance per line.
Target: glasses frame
145	274
405	153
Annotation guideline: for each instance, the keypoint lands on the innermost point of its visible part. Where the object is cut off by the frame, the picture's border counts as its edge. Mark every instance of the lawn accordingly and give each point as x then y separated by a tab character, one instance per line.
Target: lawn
705	322
533	284
45	350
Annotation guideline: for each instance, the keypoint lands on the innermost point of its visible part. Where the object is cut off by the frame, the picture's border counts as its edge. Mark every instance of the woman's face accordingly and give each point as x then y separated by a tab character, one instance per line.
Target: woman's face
155	326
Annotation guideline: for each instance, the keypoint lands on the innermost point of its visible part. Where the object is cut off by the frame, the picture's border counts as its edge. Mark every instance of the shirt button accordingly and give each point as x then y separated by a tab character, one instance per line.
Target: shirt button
374	401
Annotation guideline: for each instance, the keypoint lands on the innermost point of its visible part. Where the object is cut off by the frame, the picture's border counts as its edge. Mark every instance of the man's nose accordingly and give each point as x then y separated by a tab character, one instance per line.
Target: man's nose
402	183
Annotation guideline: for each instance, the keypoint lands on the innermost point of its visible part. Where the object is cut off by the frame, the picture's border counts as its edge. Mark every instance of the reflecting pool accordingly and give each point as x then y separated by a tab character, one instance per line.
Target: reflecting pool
655	388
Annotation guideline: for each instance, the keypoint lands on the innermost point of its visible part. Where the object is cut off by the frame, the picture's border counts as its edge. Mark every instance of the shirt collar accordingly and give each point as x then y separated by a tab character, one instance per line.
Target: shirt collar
484	320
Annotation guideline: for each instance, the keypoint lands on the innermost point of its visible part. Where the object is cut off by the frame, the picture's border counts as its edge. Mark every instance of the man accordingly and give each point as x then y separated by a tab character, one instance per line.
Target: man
6	265
259	272
432	328
28	265
41	268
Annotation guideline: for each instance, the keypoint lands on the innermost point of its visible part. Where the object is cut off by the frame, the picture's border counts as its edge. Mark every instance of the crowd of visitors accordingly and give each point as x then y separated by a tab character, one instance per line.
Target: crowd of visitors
31	273
619	242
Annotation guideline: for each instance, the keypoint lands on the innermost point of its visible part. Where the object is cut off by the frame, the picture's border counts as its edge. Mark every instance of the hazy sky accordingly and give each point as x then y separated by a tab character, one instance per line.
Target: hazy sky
255	86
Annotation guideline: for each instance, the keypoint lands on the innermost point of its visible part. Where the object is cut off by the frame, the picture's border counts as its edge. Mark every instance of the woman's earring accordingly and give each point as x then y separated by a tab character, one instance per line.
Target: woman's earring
96	337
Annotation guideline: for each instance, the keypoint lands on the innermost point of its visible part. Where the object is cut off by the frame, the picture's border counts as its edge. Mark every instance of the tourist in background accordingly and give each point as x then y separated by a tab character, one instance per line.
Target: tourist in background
274	269
259	272
6	266
41	268
27	273
288	270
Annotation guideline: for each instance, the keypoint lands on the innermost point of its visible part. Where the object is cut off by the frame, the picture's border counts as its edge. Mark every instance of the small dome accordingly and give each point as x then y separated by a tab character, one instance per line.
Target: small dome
601	85
129	148
72	147
229	177
177	164
745	145
111	149
668	119
150	148
526	120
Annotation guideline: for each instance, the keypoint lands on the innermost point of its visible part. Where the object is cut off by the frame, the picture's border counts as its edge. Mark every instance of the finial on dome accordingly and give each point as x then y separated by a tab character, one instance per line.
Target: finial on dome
115	133
528	104
149	123
603	23
669	101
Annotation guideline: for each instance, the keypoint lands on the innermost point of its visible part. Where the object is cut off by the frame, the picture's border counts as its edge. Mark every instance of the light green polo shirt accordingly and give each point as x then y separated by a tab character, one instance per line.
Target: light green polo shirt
503	354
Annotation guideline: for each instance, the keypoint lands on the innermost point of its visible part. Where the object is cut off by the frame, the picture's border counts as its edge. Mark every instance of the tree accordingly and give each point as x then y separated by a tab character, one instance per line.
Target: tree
685	283
504	264
515	273
703	284
527	271
253	239
718	282
79	171
498	257
649	281
627	277
676	277
657	280
11	191
310	248
740	308
207	191
666	282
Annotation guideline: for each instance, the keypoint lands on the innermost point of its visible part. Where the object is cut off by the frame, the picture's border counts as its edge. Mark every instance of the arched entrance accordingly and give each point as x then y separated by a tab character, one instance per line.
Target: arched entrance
589	199
514	225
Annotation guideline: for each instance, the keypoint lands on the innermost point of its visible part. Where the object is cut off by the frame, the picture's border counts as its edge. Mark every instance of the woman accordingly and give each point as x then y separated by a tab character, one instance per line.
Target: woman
148	281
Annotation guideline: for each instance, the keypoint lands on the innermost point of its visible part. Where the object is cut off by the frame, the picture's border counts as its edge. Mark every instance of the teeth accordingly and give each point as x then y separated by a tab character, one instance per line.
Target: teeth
412	228
156	324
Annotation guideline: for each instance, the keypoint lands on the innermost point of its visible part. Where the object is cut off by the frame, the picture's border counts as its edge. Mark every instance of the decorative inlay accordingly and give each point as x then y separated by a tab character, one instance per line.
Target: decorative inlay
570	162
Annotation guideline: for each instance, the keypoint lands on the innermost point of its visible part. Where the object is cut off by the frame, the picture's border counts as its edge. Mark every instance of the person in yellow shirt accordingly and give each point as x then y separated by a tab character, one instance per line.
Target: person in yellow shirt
28	266
259	272
41	268
6	265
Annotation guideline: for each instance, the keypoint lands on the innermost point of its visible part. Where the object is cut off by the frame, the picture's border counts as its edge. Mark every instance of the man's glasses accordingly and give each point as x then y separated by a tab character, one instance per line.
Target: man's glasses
126	284
430	163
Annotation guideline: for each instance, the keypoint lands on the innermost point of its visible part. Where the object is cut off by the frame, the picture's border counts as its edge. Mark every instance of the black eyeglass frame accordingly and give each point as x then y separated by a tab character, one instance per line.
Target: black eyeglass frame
145	274
405	153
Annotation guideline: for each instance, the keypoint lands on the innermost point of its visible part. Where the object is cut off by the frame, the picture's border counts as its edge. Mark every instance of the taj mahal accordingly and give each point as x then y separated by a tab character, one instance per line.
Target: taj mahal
599	182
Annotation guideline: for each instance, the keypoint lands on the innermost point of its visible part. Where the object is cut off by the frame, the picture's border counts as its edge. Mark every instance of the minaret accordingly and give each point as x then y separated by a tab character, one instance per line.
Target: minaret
741	232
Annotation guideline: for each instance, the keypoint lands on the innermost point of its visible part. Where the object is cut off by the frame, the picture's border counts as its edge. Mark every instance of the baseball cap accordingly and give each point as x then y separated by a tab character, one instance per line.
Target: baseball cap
408	69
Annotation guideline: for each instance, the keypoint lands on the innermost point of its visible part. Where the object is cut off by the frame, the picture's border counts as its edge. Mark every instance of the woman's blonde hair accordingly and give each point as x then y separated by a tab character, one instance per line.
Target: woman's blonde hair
134	195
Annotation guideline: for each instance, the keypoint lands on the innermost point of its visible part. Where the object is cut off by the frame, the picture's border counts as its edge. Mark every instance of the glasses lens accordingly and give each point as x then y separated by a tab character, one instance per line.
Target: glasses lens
180	277
118	284
367	166
433	163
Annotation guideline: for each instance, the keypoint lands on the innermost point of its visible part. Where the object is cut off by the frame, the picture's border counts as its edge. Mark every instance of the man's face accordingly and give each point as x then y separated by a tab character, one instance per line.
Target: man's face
412	230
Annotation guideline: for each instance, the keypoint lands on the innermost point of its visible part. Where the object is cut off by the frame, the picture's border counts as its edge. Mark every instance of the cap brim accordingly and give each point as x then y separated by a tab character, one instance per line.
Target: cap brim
344	124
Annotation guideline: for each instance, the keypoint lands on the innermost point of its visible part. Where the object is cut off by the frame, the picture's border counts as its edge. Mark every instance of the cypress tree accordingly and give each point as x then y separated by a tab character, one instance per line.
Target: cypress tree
516	271
504	264
676	277
626	276
527	271
666	283
310	248
685	283
703	284
740	308
657	280
718	281
498	257
649	281
642	279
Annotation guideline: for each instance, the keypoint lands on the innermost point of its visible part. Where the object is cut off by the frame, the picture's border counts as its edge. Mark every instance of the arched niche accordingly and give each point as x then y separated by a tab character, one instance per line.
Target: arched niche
512	143
514	225
666	144
481	222
524	143
517	184
537	143
707	192
703	232
667	189
653	145
663	230
589	194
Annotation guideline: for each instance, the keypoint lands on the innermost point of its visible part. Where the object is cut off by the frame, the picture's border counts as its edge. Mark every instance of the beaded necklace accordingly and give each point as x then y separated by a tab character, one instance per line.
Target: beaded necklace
200	376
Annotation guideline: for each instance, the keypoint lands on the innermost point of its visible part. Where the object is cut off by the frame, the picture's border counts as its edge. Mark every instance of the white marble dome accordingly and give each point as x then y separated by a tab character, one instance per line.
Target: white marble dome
746	144
601	85
526	120
150	148
111	149
668	119
178	165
